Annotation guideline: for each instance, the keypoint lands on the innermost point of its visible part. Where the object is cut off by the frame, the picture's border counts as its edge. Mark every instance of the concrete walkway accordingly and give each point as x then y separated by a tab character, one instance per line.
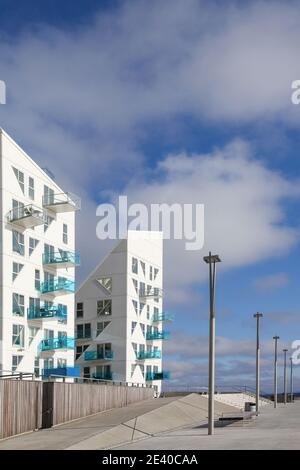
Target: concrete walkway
66	435
273	429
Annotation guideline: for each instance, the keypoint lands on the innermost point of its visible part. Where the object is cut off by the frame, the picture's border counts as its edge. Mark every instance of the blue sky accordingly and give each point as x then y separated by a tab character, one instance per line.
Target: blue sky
177	102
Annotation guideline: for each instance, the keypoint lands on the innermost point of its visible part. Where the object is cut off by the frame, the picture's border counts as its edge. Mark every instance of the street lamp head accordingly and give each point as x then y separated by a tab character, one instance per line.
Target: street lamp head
212	259
285	350
258	315
275	337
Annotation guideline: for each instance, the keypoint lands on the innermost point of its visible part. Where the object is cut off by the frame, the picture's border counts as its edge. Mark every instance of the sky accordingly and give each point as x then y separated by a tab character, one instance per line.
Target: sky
179	102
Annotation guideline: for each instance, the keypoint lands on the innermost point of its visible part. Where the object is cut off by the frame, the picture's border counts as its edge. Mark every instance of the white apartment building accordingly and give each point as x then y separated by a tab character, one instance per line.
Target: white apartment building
37	265
119	314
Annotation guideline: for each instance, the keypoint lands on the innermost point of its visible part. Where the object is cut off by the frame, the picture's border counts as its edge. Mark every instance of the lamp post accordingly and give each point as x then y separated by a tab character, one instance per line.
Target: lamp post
257	316
291	380
284	376
276	338
211	260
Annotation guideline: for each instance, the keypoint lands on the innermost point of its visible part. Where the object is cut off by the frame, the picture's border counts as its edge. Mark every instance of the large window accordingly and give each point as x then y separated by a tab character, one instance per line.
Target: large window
15	362
84	331
16	268
33	242
17	209
18	242
61	362
80	350
133	325
101	326
33	331
48	363
37	366
135	266
48	222
18	335
48	195
31	188
37	279
106	282
20	177
103	307
18	307
79	310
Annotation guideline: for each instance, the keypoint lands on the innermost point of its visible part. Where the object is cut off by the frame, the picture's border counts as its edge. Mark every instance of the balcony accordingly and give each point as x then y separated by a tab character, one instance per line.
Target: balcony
154	354
103	376
98	355
27	216
164	375
61	372
154	293
163	317
62	202
61	259
58	287
47	312
157	335
57	343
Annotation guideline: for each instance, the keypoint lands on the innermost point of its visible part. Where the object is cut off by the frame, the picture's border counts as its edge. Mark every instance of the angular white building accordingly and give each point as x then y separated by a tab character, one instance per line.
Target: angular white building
37	263
119	314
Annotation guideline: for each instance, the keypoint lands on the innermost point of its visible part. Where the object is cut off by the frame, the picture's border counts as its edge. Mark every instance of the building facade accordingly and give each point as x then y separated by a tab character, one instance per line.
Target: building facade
119	314
37	267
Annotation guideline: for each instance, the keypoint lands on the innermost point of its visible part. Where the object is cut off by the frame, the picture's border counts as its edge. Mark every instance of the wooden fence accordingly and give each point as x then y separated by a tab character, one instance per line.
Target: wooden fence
29	405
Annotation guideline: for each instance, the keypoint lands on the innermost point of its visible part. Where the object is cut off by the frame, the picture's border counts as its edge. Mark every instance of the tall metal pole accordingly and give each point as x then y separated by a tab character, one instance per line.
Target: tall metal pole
211	260
284	377
257	316
276	338
291	380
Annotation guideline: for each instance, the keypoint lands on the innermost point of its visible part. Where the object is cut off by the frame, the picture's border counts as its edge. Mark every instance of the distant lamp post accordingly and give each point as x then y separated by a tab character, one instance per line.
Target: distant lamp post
276	338
291	380
284	376
257	316
211	260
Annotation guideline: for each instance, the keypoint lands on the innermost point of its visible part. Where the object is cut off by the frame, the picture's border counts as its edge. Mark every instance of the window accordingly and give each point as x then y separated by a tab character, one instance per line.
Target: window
18	242
142	288
18	335
37	279
142	328
101	326
142	348
135	283
79	310
48	196
135	304
37	366
86	372
133	325
33	331
143	267
65	233
33	243
15	362
80	350
106	282
132	369
31	188
84	331
17	209
141	307
48	222
156	271
151	273
134	347
18	307
17	267
61	362
48	252
20	177
135	266
48	334
142	369
48	363
104	307
148	312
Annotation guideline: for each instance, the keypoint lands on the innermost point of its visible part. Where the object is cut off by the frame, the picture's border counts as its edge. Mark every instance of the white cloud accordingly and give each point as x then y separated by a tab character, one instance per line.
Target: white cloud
272	282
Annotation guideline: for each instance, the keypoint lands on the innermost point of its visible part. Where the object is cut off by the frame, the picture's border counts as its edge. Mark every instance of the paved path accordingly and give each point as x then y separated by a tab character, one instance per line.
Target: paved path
273	429
63	436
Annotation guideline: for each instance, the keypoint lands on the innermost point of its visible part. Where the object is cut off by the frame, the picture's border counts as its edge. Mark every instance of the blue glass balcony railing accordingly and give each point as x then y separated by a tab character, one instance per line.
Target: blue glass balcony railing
98	355
62	258
103	376
164	375
57	312
84	335
163	316
61	371
58	286
154	354
57	343
157	335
